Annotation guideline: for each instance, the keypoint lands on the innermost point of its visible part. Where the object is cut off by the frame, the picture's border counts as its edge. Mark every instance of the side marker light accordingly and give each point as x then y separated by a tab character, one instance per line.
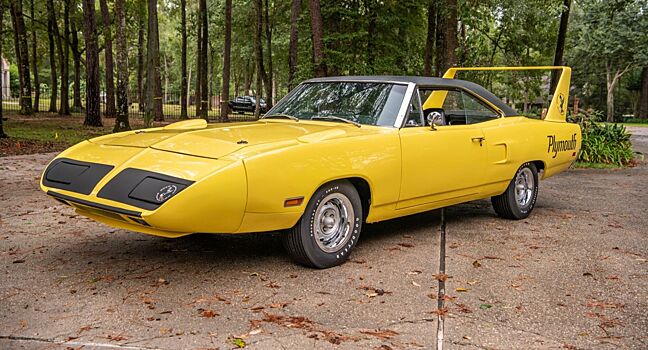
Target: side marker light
293	202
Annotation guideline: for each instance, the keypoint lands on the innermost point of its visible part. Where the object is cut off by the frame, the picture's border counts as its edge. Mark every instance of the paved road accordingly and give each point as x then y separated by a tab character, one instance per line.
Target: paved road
574	275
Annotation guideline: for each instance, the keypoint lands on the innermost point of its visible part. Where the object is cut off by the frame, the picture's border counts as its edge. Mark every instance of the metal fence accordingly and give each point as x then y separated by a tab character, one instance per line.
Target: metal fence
170	106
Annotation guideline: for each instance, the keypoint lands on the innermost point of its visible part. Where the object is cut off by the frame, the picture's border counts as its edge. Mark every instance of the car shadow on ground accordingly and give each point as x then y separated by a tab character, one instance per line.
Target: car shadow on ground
121	251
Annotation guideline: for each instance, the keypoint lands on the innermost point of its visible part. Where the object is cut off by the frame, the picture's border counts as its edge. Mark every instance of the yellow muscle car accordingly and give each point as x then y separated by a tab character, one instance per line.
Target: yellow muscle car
335	153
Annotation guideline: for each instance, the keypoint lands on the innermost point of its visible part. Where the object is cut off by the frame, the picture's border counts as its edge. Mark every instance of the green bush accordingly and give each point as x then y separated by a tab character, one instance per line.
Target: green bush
604	143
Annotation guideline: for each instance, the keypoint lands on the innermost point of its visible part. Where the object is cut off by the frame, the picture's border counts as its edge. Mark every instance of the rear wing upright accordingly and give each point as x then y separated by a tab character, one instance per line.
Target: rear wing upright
557	111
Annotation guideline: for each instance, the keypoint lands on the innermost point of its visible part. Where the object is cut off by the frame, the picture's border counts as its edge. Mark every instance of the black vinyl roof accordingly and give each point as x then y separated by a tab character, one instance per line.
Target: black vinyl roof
427	82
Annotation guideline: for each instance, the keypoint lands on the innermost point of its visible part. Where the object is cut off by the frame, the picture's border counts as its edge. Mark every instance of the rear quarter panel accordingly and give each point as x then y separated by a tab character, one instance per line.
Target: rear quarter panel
513	141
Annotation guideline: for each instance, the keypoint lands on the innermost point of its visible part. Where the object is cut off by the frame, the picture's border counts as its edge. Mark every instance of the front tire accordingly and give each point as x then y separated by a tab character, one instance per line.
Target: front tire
519	199
329	228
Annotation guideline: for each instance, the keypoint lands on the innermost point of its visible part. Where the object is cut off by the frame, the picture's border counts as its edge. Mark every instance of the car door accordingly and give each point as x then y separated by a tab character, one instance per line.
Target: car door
440	163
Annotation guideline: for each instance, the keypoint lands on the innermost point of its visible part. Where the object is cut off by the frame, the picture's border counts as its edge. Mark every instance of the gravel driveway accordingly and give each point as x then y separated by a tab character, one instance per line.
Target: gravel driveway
573	275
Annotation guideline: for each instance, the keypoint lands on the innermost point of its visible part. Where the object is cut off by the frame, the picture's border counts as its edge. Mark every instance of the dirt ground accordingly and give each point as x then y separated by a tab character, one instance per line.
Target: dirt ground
574	275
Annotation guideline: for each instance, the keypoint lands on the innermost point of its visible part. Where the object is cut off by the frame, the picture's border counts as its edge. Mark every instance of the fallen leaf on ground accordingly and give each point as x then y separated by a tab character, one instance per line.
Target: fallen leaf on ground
461	290
472	283
476	264
382	334
447	297
416	284
414	272
441	312
485	306
463	308
604	304
238	342
278	305
209	313
116	337
272	285
406	245
441	277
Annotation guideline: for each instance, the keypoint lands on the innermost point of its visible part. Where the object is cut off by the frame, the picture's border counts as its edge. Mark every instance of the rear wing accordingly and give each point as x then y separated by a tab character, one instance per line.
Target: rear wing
557	111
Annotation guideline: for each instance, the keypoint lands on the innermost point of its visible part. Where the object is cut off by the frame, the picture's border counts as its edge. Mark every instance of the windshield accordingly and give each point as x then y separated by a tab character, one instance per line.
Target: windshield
361	102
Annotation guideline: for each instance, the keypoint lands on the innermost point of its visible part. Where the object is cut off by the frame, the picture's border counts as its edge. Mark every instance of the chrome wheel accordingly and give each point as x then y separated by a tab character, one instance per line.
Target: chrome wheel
524	187
333	222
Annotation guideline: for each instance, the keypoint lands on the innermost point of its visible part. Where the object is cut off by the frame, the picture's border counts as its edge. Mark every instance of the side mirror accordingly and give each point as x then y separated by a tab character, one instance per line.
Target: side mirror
435	117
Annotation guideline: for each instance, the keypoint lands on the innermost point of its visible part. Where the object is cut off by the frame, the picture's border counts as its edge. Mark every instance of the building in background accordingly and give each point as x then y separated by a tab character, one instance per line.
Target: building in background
4	82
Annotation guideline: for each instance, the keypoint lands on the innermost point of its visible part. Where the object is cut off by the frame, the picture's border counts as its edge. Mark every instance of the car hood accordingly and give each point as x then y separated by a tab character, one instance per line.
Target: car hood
219	140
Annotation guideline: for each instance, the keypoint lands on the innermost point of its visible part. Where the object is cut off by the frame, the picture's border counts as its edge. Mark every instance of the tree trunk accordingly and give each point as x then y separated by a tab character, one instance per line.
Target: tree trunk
2	83
153	81
294	40
52	31
22	51
248	75
35	60
227	49
121	123
77	105
446	44
141	18
204	49
643	95
166	80
108	57
560	44
428	59
199	59
268	82
64	56
188	86
371	37
259	56
183	60
317	34
93	106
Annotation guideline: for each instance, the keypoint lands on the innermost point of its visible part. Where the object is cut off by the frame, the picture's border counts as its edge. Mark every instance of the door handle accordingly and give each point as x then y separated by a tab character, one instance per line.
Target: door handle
480	139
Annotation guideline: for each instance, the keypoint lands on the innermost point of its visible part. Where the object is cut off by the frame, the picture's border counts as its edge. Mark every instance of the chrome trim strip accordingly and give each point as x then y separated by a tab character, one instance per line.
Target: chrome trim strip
411	87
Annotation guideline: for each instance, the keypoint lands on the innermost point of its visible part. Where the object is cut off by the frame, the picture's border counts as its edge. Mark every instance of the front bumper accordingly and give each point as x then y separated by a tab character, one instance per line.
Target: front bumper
201	195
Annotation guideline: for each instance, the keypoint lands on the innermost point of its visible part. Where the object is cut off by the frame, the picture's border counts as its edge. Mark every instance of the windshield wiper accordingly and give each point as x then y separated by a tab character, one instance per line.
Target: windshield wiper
280	115
331	117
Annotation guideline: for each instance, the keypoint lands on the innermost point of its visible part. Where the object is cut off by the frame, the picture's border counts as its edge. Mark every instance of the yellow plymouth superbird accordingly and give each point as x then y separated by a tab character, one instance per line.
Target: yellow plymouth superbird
335	153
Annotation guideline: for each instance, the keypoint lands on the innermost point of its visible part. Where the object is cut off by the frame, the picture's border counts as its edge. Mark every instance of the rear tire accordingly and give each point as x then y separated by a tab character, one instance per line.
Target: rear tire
519	199
329	228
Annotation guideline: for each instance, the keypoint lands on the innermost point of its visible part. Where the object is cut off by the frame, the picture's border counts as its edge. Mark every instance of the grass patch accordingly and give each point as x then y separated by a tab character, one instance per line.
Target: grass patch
588	165
49	132
641	125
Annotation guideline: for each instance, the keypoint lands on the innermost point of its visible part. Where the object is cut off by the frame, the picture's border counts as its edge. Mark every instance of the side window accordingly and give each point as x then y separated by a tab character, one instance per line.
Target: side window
414	114
476	110
453	107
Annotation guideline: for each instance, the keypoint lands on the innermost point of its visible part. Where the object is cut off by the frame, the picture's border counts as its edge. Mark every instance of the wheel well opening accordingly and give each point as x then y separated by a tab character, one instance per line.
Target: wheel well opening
364	191
539	165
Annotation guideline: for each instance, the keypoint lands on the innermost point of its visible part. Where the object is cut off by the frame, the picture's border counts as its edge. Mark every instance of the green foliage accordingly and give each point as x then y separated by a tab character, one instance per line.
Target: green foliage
604	143
606	38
